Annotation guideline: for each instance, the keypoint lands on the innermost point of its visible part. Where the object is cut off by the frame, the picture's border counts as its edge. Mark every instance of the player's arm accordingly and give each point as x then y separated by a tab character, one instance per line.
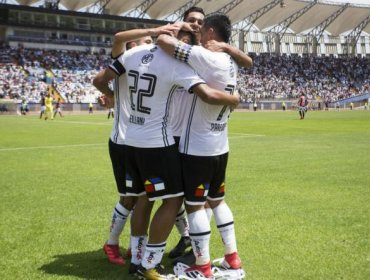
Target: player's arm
121	38
215	97
167	43
102	79
241	58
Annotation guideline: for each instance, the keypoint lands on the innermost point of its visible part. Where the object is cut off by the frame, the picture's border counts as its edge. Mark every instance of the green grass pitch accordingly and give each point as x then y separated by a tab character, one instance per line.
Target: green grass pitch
299	191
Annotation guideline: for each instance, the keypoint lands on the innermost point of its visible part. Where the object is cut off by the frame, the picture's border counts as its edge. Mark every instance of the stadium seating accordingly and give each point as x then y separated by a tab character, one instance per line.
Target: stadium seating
25	73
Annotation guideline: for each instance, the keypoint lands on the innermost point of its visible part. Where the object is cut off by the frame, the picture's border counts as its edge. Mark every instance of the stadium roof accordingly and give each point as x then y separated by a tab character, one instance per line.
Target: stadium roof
239	10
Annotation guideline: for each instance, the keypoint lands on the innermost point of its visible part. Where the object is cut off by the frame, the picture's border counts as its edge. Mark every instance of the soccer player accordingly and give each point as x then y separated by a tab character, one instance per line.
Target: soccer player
153	164
195	17
204	145
91	106
124	41
42	105
58	108
49	106
110	113
302	105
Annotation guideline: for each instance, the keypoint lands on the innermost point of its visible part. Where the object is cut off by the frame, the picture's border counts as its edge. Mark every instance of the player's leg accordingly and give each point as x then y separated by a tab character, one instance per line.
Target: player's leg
182	226
141	212
139	227
223	215
162	181
122	209
197	172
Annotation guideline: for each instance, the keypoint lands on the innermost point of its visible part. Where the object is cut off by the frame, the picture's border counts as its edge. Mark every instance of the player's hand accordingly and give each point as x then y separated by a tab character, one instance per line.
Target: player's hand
109	102
169	29
215	46
237	101
105	101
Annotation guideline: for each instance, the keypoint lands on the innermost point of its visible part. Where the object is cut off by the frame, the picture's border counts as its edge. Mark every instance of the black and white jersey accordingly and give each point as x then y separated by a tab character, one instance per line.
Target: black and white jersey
121	105
205	127
179	109
152	78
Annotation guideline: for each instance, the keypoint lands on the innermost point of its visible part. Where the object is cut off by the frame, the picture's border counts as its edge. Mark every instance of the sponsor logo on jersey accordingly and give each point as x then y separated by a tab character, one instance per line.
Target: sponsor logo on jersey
202	190
147	58
153	185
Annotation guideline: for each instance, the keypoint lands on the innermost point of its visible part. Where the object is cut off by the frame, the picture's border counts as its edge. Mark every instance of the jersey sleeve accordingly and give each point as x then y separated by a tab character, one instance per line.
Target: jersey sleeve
196	56
185	76
118	66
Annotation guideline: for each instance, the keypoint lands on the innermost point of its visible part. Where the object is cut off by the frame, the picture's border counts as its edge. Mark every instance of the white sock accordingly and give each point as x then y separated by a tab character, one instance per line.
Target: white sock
225	224
119	218
200	234
153	255
182	223
209	213
138	244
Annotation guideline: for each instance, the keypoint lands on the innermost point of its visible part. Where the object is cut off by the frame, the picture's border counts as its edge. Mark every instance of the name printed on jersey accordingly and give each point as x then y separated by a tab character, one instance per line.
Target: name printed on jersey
218	126
137	120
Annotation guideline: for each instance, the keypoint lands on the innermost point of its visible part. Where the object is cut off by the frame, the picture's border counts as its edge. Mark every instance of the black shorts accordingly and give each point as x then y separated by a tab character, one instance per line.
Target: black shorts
154	171
117	157
204	178
177	141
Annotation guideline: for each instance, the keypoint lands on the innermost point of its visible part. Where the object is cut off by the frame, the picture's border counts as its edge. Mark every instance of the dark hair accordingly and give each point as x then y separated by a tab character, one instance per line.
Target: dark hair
220	23
193	39
191	10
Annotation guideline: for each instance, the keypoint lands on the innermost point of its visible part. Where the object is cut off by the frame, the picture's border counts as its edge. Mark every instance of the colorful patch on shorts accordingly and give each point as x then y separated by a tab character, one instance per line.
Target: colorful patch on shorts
128	181
202	190
221	189
154	185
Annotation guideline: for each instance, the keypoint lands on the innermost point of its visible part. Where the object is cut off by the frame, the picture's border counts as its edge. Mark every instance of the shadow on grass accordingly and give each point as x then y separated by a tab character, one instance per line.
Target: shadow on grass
91	265
86	265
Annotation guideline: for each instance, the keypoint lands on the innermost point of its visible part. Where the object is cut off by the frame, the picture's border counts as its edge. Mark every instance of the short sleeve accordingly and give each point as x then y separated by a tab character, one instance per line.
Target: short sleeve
117	66
186	77
196	56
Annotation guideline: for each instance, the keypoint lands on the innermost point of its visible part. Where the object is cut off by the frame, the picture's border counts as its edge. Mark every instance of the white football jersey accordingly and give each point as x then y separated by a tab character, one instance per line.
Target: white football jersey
152	78
205	127
121	105
179	110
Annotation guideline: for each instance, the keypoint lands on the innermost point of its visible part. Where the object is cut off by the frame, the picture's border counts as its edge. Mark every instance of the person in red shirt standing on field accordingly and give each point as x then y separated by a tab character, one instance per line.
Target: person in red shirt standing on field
58	109
302	105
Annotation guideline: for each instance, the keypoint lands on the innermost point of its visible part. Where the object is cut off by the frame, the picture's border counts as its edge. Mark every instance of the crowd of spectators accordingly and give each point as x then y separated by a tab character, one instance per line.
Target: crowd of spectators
27	73
321	78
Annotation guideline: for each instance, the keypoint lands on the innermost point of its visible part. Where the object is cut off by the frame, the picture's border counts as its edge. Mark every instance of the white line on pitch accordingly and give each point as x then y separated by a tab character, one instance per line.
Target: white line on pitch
80	122
240	135
50	147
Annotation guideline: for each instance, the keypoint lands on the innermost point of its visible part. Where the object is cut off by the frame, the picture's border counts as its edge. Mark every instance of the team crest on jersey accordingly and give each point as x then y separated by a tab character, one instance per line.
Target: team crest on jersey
147	58
202	190
154	185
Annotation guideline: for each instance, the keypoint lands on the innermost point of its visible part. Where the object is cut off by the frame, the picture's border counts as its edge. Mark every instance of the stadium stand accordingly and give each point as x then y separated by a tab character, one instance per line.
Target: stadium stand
59	48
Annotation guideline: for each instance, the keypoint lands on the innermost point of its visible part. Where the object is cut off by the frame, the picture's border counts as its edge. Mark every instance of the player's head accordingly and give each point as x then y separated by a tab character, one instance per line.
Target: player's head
187	37
217	27
194	16
139	42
